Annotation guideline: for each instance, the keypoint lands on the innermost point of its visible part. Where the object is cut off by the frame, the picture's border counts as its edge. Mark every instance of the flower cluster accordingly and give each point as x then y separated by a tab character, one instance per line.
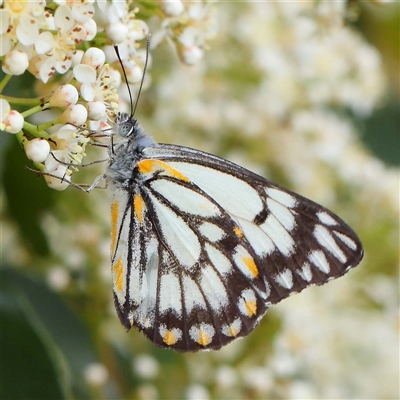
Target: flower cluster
284	83
68	46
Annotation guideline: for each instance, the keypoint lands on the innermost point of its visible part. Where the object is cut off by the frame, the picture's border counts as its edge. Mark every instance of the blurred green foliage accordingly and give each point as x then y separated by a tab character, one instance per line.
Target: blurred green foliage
49	338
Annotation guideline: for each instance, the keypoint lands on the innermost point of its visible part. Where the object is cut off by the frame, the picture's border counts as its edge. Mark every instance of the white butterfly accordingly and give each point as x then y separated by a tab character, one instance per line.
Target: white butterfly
201	247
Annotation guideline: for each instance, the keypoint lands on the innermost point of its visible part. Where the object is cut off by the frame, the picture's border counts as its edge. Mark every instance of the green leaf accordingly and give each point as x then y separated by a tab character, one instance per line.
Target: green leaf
45	348
27	197
30	367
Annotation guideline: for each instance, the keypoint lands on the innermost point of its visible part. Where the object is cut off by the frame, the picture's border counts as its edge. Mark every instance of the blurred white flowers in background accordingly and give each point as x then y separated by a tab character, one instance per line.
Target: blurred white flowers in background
68	46
275	86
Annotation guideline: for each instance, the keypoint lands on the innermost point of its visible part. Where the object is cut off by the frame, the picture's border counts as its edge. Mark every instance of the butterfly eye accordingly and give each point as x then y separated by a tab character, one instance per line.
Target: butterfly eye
126	128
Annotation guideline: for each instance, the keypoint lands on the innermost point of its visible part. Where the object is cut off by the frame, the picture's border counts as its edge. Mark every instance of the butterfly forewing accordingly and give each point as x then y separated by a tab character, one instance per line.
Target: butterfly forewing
201	247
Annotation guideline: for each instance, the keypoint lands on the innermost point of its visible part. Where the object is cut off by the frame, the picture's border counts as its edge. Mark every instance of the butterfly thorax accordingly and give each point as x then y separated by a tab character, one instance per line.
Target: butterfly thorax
125	151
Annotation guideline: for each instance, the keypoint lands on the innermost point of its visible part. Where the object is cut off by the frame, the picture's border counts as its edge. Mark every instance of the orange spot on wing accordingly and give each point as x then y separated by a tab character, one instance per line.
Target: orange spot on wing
118	275
232	331
114	221
169	338
251	265
138	205
251	307
203	339
152	166
238	232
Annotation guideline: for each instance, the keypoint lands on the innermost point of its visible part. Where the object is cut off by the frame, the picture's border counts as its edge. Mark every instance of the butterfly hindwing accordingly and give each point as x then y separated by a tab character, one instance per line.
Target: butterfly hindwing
212	245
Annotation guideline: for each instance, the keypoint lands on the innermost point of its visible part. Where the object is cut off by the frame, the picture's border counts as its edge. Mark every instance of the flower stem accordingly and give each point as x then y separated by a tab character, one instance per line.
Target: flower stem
4	82
48	124
20	100
35	109
35	130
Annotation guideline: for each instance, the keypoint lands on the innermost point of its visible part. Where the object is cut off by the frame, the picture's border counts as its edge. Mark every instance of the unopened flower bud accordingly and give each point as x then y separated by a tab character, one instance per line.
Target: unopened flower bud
15	62
134	73
173	8
12	122
75	115
139	31
94	57
37	149
96	110
191	55
64	96
117	32
60	180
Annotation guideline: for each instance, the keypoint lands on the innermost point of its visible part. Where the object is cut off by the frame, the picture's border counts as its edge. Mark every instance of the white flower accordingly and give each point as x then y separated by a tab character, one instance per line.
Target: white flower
190	27
122	26
258	378
146	366
81	11
98	86
192	54
94	57
226	376
197	392
10	120
117	32
55	50
59	178
75	114
21	21
68	145
64	96
90	28
15	62
96	374
173	8
37	150
58	278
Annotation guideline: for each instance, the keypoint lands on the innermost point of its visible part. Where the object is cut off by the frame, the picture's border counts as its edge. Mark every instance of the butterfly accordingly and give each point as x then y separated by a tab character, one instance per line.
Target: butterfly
201	247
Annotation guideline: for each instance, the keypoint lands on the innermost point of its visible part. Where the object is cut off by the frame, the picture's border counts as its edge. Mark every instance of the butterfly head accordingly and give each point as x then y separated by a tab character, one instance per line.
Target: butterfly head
130	136
125	125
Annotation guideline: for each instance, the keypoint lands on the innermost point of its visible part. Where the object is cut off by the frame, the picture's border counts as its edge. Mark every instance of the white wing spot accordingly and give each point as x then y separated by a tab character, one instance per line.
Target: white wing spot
260	241
193	296
170	336
232	329
346	240
305	272
279	235
326	219
170	294
248	303
324	238
282	197
211	231
182	241
202	334
267	292
213	289
219	261
185	199
318	258
282	214
245	262
146	288
234	195
285	279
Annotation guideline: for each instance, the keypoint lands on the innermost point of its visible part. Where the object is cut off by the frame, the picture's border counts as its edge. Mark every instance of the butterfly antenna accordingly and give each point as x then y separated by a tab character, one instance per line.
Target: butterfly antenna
133	109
